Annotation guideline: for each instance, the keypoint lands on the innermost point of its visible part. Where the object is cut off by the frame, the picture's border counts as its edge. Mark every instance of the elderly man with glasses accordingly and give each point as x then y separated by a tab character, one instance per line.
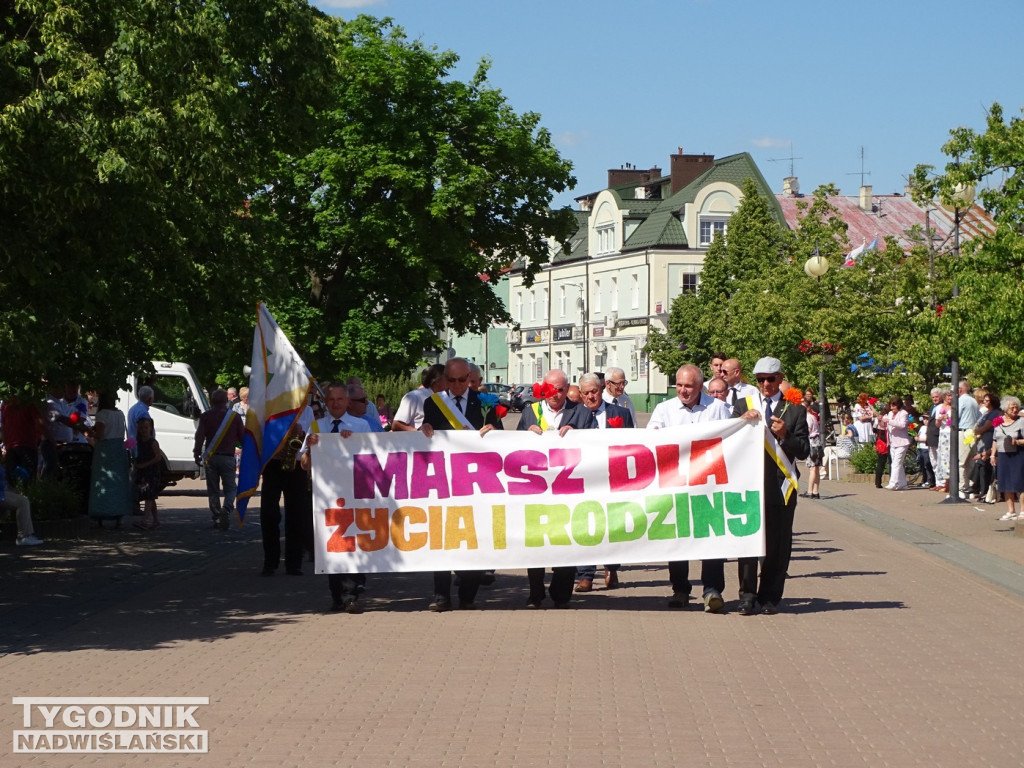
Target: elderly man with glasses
615	390
787	424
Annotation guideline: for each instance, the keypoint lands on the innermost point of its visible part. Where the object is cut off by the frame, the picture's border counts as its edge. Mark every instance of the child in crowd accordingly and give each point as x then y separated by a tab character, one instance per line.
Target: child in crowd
147	473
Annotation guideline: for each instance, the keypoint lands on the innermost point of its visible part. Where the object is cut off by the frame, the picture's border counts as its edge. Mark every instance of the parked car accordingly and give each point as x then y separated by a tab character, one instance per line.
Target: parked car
496	389
520	397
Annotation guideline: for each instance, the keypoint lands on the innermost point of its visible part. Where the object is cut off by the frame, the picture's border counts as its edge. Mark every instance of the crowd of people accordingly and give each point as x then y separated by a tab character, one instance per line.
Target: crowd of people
125	451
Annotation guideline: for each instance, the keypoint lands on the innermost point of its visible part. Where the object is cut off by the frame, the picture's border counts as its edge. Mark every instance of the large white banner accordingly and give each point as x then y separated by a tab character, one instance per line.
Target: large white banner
459	501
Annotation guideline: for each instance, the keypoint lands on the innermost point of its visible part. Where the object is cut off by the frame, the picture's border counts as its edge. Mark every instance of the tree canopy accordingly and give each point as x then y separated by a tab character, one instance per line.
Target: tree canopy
167	165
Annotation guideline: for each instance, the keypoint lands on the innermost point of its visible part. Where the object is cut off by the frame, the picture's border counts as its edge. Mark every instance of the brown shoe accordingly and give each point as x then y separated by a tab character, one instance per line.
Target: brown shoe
611	580
584	585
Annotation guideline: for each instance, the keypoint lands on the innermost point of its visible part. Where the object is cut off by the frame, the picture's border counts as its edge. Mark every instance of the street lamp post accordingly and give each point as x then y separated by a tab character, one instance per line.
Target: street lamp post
816	266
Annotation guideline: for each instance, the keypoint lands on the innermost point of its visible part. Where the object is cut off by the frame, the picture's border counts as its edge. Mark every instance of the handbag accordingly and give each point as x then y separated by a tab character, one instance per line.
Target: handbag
882	445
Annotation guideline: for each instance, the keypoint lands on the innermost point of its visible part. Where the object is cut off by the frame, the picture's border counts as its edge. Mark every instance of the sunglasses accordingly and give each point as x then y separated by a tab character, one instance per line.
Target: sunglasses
358	399
463	380
763	379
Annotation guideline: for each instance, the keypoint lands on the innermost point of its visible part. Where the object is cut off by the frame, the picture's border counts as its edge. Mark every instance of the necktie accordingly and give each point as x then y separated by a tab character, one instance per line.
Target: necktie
615	401
335	424
768	412
734	396
458	403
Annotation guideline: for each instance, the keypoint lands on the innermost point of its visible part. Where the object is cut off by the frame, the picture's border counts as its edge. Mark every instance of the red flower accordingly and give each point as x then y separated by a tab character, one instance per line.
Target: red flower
615	421
502	411
997	421
793	396
542	390
872	400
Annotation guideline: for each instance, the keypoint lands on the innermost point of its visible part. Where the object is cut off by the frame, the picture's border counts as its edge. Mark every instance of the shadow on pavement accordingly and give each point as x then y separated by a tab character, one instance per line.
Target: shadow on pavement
820	605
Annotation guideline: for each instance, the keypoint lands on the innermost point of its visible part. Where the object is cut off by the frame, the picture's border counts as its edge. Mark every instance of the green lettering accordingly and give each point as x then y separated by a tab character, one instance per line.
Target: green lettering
618	513
547	521
683	515
582	515
659	529
708	515
748	508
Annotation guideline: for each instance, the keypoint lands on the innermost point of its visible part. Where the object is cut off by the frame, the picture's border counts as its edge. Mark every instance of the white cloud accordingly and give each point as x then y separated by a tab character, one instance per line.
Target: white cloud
570	138
767	142
338	4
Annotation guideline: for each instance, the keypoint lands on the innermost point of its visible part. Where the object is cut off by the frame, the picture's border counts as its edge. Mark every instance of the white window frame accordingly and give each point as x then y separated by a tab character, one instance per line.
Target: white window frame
561	301
615	295
634	291
715	224
597	297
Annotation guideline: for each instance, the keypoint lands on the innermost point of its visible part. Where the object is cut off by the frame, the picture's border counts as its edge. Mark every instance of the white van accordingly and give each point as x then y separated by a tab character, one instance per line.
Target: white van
178	402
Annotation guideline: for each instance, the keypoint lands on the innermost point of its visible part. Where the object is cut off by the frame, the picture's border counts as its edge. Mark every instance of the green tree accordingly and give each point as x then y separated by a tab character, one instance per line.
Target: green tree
981	325
131	135
420	192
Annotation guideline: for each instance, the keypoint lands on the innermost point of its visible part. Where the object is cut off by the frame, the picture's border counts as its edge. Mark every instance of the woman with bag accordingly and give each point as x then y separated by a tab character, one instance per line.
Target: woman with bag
1008	455
894	426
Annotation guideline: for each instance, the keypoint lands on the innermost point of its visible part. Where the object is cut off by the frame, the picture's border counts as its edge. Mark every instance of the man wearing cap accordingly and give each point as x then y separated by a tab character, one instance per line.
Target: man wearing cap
787	424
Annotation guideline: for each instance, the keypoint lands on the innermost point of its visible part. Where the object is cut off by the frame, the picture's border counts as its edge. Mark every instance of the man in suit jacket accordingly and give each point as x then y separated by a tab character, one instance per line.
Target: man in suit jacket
550	414
594	412
788	424
456	407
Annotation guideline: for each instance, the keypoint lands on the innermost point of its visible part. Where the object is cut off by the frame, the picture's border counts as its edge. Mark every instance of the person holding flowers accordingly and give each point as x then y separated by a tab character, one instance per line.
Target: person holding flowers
896	423
863	419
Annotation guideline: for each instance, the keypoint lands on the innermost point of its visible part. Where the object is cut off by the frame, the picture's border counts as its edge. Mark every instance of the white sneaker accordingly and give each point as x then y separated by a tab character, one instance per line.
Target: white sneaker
29	541
1009	516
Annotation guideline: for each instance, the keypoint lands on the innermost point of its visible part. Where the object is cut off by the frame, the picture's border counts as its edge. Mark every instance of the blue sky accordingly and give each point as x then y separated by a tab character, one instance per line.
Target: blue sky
630	82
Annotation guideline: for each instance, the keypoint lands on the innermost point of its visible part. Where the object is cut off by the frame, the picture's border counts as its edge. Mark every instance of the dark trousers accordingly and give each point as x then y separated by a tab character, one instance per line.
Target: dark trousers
298	518
924	465
469	584
880	461
561	584
712	575
778	536
345	587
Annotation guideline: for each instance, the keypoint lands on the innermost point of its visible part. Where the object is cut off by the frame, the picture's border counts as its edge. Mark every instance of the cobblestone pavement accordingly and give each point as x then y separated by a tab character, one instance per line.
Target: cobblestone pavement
897	647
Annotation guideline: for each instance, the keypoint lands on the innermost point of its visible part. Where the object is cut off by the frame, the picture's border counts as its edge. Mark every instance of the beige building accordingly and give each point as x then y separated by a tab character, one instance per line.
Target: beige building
639	243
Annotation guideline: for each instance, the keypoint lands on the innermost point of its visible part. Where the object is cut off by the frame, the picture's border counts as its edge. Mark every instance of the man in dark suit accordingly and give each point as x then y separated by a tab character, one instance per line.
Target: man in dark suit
457	407
594	412
788	425
550	414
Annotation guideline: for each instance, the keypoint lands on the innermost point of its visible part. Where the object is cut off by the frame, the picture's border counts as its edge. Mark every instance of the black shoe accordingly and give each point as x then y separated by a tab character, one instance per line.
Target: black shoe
464	606
353	607
293	571
223	521
747	607
486	578
337	606
769	609
679	600
268	571
533	605
562	605
814	496
440	604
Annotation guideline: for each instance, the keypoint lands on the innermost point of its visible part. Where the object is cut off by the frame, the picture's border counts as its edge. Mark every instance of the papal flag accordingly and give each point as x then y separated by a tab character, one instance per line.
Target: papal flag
279	386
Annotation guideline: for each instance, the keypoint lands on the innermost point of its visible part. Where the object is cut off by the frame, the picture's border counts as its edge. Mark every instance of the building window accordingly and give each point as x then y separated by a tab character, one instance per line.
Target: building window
605	238
634	291
533	306
561	301
519	306
615	294
688	282
543	303
711	227
596	298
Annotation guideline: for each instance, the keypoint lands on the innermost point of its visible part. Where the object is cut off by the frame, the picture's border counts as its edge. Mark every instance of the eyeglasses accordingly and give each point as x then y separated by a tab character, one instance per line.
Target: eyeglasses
763	379
617	383
463	380
358	399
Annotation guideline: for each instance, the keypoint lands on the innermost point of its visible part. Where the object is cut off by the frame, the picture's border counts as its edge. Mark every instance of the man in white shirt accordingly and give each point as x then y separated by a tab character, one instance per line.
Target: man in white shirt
732	372
692	406
969	414
409	416
139	411
345	587
615	390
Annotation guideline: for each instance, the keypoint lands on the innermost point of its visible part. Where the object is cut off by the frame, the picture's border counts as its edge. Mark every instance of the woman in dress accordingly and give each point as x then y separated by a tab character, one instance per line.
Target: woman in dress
110	489
942	415
895	423
1008	456
863	419
816	456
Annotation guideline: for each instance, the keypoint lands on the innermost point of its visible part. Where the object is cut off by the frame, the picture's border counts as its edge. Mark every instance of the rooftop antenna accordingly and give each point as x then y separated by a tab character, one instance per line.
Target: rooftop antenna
790	159
862	173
